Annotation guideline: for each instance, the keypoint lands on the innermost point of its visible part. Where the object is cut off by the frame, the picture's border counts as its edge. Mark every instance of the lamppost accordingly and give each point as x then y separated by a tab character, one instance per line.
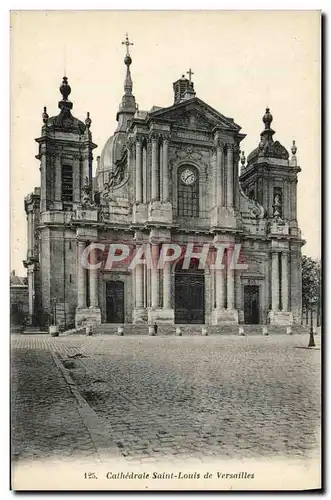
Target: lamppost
312	302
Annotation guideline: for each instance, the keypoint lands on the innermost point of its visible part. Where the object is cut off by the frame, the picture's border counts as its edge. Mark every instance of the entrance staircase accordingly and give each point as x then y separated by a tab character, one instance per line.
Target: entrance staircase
166	329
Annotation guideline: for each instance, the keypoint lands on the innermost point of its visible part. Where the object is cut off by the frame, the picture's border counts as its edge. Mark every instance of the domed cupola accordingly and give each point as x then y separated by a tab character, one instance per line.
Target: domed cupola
267	148
64	121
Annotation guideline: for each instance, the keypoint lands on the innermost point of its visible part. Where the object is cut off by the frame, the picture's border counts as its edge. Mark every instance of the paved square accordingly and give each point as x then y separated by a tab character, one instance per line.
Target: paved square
196	397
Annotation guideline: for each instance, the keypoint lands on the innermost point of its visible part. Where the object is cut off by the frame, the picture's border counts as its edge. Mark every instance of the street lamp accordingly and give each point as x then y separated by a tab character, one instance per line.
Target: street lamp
312	302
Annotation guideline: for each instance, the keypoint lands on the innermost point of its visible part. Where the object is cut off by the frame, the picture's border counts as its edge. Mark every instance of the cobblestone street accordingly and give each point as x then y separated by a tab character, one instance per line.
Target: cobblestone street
46	423
168	397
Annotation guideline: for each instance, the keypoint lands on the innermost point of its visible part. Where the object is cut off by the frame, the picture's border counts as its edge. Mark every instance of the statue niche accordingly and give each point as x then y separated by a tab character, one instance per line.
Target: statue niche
277	205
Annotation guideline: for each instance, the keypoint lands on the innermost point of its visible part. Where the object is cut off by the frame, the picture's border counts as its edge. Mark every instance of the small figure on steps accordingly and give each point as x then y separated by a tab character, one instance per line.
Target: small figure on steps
155	328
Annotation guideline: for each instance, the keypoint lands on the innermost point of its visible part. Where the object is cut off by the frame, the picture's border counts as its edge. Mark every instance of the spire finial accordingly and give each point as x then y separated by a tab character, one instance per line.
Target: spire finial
267	118
243	159
65	90
128	105
127	43
45	115
127	62
88	120
294	149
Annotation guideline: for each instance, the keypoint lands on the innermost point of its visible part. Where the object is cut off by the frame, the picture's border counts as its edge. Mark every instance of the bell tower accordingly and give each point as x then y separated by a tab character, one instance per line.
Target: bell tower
65	154
270	177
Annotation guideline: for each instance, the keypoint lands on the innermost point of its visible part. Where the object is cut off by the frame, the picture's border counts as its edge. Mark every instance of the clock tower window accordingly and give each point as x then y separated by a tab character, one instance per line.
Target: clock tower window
188	191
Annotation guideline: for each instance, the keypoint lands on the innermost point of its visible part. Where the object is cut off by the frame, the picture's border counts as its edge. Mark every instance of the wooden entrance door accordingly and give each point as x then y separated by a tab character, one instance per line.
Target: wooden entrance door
115	302
189	295
251	304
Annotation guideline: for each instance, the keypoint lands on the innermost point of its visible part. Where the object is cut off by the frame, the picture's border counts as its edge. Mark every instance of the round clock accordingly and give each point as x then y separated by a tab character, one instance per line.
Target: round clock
187	176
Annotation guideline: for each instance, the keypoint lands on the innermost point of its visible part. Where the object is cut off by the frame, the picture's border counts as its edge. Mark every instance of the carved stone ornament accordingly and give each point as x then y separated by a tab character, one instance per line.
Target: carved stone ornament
256	210
277	208
86	195
188	152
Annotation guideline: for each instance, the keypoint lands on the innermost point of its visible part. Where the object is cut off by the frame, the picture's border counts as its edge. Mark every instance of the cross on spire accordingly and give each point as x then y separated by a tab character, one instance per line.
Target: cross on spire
190	73
127	43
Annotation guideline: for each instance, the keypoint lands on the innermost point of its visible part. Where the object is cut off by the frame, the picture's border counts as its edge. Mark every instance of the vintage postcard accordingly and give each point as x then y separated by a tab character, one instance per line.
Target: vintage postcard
165	254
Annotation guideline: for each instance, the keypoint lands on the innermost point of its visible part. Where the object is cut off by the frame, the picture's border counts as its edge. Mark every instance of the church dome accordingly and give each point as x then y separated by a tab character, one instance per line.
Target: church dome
111	152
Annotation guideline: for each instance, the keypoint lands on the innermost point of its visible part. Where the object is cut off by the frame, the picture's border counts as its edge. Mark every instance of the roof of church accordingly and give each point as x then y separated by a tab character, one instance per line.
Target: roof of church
112	151
65	121
267	147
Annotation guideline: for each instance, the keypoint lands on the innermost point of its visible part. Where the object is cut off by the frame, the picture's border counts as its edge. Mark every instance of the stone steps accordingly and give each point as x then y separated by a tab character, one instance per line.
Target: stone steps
165	329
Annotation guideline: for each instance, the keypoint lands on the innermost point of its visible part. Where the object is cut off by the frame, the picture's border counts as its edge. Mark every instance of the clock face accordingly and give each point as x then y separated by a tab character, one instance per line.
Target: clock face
188	176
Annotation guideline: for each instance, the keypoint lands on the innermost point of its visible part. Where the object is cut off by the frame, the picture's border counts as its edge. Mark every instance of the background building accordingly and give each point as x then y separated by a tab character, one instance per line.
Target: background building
168	174
19	300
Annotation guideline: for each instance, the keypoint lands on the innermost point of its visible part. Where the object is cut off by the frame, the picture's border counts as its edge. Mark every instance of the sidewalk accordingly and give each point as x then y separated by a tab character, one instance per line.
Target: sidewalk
46	421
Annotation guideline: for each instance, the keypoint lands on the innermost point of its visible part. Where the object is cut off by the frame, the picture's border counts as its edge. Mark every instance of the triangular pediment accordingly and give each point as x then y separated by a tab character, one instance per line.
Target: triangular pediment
195	114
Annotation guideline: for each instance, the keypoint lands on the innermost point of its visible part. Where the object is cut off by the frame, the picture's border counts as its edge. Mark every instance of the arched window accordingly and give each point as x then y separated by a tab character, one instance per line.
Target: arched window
188	191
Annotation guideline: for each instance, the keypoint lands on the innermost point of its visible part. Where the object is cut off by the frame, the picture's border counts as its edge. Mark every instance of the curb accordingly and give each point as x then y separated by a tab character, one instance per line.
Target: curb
104	445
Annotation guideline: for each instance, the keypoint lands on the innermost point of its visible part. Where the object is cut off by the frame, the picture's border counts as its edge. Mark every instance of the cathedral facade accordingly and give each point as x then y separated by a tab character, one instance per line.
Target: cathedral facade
172	176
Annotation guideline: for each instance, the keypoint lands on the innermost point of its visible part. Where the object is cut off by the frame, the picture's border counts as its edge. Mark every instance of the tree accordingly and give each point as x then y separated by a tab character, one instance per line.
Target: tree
311	285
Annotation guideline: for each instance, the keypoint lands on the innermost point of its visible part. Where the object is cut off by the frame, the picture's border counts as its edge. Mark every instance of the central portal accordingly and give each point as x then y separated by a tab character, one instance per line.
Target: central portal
115	301
189	294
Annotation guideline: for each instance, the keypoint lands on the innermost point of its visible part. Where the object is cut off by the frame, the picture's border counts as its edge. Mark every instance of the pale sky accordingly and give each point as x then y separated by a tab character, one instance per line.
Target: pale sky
242	62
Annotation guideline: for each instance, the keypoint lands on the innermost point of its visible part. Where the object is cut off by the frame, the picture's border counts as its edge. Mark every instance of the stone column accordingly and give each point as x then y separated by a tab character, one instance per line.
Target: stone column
155	276
219	292
43	184
30	234
275	282
219	165
271	199
81	276
155	172
229	183
238	290
294	198
144	175
165	194
31	294
285	281
93	280
139	279
167	285
58	179
230	288
138	171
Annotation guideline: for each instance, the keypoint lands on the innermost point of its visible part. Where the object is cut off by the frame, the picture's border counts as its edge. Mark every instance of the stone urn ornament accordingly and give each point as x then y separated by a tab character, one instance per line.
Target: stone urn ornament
242	331
53	330
89	330
151	332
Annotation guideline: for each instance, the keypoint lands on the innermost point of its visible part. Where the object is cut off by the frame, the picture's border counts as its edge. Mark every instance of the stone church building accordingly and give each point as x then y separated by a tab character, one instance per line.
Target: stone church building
173	174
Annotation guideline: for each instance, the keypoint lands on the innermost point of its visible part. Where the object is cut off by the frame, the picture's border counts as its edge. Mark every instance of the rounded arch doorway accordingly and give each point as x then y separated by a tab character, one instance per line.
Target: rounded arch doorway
189	294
